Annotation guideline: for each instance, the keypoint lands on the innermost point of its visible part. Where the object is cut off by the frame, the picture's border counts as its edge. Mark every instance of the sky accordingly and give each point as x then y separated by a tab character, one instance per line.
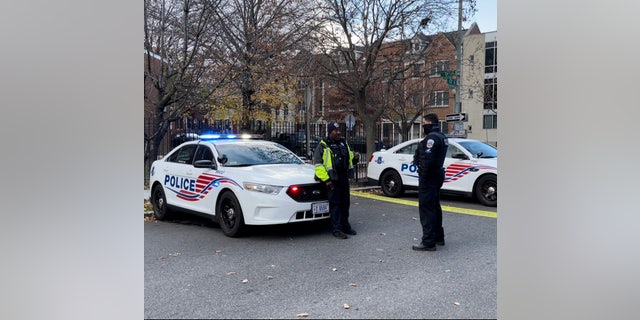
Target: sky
486	17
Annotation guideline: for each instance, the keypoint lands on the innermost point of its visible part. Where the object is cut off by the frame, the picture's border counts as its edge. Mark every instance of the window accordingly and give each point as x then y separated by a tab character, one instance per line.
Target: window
415	46
203	153
490	121
491	93
416	70
410	149
453	150
439	99
183	155
491	57
438	66
415	99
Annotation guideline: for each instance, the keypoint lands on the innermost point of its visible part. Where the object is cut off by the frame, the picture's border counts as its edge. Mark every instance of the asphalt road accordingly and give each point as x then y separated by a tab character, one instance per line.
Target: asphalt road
300	271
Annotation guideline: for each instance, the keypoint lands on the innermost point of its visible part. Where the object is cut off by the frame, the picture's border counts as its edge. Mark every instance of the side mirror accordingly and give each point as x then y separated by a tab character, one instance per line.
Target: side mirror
223	159
204	164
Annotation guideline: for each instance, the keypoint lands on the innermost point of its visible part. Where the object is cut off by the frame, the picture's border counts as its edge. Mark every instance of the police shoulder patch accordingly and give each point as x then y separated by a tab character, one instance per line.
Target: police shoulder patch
430	143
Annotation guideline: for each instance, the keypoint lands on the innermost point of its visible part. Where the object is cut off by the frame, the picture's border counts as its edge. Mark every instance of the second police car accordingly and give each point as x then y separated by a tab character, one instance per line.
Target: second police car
471	168
237	182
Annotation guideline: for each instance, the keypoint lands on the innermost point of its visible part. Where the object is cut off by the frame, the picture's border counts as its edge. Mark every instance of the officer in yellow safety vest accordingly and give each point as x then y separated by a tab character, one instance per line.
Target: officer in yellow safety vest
334	162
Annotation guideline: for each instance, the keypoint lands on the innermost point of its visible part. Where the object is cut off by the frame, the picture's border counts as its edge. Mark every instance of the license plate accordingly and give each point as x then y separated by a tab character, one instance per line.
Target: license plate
320	207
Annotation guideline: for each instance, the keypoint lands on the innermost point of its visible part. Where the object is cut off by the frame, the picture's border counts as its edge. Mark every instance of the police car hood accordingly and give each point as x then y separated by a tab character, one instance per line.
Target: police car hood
279	174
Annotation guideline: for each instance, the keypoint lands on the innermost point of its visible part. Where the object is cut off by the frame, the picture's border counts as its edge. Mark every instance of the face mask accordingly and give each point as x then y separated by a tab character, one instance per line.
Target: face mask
427	128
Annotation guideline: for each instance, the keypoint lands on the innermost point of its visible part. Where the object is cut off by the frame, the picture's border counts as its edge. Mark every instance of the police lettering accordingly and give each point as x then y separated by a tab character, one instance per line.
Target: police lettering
410	167
178	182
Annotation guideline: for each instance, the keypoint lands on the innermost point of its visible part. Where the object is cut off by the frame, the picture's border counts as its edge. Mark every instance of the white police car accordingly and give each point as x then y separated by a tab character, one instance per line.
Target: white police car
471	169
237	182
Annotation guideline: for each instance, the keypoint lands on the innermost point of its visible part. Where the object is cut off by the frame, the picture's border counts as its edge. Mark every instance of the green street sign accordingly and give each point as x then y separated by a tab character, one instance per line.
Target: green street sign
447	74
452	82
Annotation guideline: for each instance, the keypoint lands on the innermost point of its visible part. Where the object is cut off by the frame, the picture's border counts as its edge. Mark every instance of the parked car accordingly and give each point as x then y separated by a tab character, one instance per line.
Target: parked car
470	169
237	182
297	143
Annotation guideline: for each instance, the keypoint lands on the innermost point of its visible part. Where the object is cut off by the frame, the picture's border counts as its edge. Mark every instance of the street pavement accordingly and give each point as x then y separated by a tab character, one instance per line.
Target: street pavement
299	270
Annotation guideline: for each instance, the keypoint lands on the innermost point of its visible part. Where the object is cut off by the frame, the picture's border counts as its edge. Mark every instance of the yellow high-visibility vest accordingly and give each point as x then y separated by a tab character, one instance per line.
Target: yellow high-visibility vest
325	170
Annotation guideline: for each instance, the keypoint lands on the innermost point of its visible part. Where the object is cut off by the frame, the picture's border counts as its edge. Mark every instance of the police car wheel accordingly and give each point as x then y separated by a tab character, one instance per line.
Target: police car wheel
230	215
486	190
391	184
159	201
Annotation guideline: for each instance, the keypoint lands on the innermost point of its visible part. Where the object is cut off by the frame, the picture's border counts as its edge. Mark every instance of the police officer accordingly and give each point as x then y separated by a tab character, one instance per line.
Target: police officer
334	161
429	157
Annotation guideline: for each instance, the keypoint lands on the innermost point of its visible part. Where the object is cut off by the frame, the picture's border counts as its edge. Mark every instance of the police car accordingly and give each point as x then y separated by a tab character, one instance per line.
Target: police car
237	181
470	169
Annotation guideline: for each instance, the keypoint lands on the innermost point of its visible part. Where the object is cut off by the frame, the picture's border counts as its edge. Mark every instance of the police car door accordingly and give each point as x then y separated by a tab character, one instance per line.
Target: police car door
204	193
175	181
457	163
403	160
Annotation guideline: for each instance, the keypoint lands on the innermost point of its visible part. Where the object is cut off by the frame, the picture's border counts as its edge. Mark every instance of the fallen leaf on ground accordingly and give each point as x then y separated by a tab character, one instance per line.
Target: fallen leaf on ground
269	277
302	315
334	269
231	273
457	303
346	306
353	284
245	281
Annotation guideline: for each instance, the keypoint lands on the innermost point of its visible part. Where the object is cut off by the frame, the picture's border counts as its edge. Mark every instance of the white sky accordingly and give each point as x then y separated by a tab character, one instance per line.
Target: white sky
486	17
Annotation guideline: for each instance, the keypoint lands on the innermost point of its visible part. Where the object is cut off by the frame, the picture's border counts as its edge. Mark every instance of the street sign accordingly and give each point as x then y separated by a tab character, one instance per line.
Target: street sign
456	117
350	120
448	74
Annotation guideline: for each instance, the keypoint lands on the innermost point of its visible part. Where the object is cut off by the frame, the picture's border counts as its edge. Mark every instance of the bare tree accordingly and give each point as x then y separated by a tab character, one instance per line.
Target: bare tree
259	37
353	42
179	75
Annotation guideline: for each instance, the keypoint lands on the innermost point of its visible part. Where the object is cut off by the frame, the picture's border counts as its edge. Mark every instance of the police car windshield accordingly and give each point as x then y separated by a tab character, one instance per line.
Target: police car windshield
255	153
480	149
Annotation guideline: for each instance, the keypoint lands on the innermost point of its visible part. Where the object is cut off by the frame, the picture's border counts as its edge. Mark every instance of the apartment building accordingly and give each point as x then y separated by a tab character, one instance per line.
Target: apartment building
479	86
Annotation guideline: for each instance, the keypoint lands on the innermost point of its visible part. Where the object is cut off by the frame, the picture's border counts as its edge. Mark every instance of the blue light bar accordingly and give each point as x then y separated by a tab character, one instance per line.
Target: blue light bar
217	136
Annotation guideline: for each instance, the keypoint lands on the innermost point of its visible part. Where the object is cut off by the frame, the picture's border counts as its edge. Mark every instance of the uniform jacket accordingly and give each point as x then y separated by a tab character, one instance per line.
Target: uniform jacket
332	158
430	154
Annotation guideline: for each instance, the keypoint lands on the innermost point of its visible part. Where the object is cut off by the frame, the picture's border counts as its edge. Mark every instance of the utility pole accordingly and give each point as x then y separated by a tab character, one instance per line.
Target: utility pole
457	106
307	104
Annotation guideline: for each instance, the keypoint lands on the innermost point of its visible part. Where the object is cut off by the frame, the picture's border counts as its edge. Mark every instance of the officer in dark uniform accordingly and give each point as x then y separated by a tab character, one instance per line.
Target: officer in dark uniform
429	157
333	161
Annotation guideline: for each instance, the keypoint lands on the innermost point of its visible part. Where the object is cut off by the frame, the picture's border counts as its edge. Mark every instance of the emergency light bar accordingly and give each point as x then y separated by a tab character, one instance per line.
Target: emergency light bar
216	136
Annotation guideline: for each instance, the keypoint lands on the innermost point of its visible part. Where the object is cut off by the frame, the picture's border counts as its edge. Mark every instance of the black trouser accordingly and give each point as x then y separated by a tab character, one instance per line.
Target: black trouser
430	210
339	202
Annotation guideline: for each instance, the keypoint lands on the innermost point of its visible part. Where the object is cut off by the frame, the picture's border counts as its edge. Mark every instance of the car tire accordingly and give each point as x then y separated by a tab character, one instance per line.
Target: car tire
486	190
391	184
230	215
161	209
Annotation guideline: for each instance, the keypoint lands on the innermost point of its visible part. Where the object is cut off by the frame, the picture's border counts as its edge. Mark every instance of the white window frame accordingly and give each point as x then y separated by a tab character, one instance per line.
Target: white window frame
439	99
